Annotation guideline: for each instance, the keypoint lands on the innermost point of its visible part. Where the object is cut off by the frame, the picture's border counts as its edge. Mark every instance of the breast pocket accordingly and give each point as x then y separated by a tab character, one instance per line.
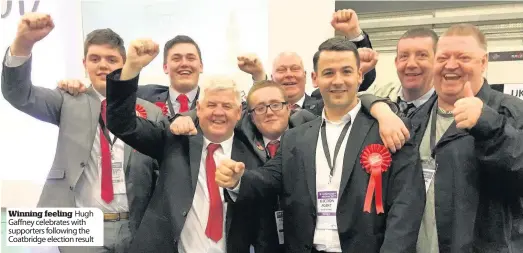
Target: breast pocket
56	174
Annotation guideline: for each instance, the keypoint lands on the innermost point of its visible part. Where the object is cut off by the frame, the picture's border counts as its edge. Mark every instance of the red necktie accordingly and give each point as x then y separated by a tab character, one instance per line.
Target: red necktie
273	147
184	103
295	107
214	228
107	171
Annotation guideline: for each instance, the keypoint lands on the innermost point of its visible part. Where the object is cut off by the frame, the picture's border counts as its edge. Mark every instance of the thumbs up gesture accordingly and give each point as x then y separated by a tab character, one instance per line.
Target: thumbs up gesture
141	52
346	21
32	28
228	173
467	109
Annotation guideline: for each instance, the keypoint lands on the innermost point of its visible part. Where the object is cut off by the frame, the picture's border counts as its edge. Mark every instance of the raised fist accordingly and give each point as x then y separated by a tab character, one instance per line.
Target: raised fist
142	52
228	173
251	64
32	28
183	125
368	59
346	21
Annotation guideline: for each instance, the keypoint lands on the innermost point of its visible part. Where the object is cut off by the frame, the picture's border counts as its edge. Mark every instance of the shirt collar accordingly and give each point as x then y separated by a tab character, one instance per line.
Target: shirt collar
225	145
174	94
419	101
301	101
100	96
267	140
351	115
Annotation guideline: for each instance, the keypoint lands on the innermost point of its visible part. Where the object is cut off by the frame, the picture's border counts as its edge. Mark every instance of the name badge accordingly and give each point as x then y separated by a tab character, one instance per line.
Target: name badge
429	171
327	204
279	225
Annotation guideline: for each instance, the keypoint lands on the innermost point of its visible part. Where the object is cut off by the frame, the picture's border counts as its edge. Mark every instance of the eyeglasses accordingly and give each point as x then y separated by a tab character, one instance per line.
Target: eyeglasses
262	109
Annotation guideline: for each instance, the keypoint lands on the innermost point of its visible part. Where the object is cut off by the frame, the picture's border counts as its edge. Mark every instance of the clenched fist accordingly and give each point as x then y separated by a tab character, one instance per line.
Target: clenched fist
228	173
183	125
251	64
140	53
72	86
467	110
32	28
368	59
346	21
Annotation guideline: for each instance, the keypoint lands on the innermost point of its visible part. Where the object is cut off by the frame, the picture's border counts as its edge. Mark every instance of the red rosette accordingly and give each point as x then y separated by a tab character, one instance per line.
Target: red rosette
375	159
140	112
162	106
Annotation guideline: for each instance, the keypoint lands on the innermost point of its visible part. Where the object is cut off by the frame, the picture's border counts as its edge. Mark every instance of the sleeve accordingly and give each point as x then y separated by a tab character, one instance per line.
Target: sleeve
18	89
499	143
146	136
405	201
368	100
369	77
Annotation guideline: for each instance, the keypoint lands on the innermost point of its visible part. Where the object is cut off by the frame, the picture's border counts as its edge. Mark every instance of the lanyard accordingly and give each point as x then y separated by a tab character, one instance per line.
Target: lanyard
106	132
337	148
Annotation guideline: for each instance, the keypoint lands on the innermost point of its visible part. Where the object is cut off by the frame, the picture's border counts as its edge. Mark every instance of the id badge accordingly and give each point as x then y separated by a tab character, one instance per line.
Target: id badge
279	225
118	178
429	171
327	204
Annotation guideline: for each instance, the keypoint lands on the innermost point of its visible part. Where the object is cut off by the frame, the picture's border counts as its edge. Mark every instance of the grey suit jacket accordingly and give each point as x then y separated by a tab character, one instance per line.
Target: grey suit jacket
77	118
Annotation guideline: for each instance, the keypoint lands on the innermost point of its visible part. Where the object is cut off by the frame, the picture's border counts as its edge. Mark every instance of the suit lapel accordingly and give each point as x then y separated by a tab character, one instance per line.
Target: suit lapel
193	105
308	145
360	128
237	154
95	106
195	155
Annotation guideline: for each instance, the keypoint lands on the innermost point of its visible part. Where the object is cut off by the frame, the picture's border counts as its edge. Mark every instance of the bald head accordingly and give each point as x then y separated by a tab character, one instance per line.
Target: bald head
287	70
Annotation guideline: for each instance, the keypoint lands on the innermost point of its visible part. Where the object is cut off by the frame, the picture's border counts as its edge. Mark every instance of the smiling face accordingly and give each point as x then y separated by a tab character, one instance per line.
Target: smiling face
218	111
100	60
183	65
288	71
414	63
273	122
458	59
338	77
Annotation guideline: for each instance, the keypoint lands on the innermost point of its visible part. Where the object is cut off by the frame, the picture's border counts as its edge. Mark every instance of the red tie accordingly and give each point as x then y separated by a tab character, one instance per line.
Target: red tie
107	171
184	103
295	107
273	147
214	228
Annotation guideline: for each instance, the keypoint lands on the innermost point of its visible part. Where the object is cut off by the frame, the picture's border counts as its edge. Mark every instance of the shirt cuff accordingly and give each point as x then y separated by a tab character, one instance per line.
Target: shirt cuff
359	38
13	61
233	193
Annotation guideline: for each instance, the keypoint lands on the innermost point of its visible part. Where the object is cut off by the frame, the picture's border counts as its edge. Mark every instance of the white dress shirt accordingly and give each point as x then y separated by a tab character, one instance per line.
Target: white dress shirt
173	96
328	240
88	188
192	237
301	101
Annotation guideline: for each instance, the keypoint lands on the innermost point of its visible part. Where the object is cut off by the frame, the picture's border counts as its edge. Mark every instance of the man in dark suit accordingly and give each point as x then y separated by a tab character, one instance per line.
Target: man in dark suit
92	168
323	201
188	211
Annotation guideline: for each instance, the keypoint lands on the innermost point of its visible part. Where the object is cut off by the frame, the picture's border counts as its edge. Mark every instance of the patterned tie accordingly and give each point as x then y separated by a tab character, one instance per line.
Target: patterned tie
295	107
273	147
107	171
184	103
406	108
214	230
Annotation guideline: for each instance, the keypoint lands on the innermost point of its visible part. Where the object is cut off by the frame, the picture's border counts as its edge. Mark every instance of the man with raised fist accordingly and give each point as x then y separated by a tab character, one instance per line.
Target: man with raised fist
92	168
188	212
470	140
340	188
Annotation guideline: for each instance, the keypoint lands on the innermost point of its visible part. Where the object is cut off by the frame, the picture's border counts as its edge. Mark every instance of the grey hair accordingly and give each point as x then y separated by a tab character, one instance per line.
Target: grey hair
219	83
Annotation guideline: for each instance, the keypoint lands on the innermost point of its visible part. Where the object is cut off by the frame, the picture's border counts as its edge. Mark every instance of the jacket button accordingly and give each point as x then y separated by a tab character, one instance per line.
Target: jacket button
82	164
70	187
184	213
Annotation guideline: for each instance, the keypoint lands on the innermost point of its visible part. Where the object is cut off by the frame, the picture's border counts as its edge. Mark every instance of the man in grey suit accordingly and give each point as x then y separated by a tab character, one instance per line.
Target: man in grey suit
92	168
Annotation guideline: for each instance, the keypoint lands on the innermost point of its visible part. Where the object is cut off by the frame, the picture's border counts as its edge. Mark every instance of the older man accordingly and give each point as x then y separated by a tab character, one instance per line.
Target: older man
470	146
188	211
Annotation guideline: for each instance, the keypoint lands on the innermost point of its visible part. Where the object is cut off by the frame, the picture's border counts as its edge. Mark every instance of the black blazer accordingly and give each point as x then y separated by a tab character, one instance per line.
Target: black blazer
292	174
179	158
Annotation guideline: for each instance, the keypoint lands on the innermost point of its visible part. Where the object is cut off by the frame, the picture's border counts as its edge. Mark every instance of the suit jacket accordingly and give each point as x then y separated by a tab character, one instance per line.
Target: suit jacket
179	159
155	93
478	189
77	118
292	174
369	76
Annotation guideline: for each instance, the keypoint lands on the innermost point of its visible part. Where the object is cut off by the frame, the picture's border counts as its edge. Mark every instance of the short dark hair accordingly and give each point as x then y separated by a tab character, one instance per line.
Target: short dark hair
104	37
338	44
179	39
420	32
265	84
